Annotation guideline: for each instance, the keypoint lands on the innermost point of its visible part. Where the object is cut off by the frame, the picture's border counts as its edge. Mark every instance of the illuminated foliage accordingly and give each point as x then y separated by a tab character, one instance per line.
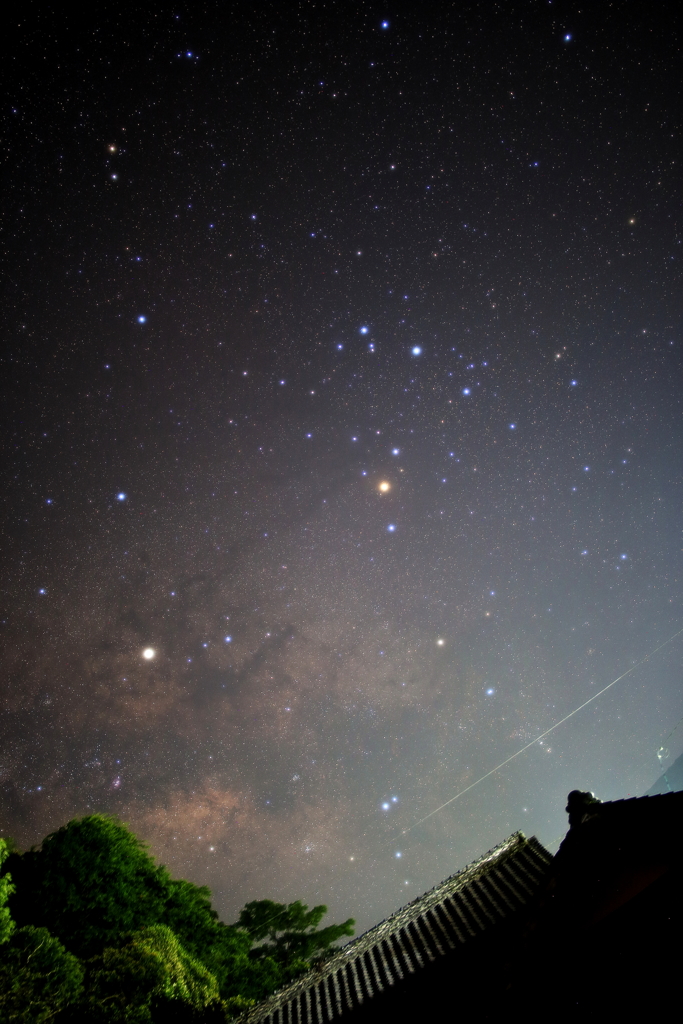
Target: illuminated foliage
148	940
292	932
38	977
6	890
90	881
124	981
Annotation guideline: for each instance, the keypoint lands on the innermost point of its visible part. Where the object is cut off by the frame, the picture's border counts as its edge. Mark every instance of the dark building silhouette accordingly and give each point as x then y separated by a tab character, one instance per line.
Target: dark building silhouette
421	945
592	933
670	781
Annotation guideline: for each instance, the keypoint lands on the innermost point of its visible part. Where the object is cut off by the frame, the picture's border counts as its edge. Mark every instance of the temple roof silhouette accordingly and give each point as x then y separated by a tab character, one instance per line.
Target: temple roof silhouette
592	930
437	924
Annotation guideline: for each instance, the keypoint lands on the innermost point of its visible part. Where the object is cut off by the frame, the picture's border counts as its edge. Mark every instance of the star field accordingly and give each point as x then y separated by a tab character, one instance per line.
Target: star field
342	430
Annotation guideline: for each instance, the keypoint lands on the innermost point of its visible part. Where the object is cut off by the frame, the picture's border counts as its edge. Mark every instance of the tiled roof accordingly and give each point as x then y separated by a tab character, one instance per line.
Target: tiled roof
660	811
432	926
670	781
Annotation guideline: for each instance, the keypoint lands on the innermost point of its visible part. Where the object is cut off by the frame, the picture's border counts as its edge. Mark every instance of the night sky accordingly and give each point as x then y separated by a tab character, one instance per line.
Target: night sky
342	447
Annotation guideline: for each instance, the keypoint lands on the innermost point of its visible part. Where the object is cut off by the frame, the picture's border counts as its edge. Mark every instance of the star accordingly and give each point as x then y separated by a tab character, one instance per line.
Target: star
149	653
384	486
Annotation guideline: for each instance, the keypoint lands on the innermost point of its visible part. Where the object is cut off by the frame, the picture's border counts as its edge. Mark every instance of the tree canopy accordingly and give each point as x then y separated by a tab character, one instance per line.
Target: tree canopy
291	930
90	881
38	977
6	890
126	981
92	928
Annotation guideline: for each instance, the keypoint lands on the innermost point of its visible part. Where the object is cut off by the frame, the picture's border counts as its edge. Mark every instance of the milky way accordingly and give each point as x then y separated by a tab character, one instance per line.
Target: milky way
342	431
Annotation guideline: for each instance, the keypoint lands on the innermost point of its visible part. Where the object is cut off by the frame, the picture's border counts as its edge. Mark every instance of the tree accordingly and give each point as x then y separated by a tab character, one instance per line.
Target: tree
223	949
90	881
38	977
93	881
292	932
6	890
93	886
145	968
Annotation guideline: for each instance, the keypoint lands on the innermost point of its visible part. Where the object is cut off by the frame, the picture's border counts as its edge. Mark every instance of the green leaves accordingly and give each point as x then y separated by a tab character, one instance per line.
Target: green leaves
90	881
263	918
6	890
124	980
152	947
38	977
292	931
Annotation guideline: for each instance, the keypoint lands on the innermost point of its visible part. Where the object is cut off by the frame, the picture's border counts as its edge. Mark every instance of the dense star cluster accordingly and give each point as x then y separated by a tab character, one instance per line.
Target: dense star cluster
341	429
